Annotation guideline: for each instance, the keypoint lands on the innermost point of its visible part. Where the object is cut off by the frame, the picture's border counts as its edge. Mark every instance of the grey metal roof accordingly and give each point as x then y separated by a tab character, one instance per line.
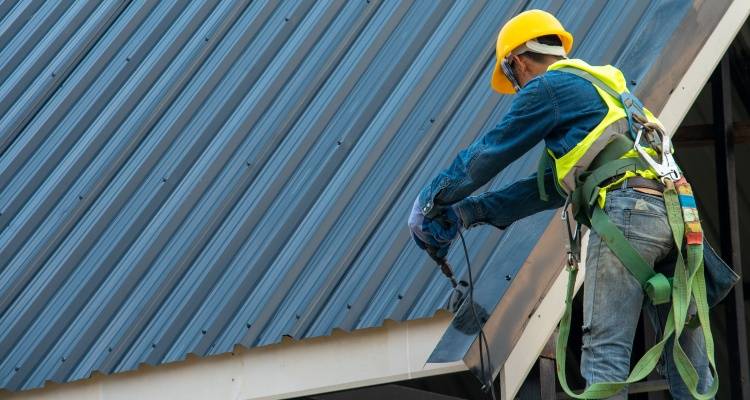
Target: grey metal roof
183	177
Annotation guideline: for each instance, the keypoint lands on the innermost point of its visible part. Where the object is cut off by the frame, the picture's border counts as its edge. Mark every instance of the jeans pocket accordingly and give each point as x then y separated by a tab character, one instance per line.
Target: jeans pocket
647	226
590	285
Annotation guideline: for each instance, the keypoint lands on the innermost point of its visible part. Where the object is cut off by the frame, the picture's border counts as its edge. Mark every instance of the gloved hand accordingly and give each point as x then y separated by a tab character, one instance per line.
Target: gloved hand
434	235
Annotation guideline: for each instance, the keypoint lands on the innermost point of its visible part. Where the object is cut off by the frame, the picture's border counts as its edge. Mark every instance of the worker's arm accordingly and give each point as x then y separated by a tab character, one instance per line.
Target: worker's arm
507	205
533	113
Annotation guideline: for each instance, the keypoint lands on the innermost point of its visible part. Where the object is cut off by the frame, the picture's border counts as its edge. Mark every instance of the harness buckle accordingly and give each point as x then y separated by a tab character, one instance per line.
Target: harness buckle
573	248
571	263
564	212
667	169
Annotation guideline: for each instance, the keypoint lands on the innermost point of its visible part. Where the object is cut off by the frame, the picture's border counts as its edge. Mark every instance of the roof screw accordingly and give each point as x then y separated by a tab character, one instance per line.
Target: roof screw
205	38
248	325
203	331
80	197
632	82
109	349
286	19
400	297
16	368
153	345
507	277
296	316
127	58
54	74
63	358
338	142
432	120
163	179
348	306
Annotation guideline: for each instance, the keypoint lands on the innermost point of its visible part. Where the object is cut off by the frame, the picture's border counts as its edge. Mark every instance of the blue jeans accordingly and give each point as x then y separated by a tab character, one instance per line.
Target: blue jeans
613	298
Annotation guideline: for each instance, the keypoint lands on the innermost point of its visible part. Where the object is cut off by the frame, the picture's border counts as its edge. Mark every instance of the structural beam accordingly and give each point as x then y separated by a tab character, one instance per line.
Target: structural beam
739	56
706	134
683	95
390	391
726	181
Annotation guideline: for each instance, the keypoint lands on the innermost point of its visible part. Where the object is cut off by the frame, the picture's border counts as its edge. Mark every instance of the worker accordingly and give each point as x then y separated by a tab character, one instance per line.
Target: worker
578	111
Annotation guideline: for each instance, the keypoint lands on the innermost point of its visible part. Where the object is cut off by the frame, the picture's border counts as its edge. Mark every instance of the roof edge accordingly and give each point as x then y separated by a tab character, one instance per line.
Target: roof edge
698	72
683	49
394	352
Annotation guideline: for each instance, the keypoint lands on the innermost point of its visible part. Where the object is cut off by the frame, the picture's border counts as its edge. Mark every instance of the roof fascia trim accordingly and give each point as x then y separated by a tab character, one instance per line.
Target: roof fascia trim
393	352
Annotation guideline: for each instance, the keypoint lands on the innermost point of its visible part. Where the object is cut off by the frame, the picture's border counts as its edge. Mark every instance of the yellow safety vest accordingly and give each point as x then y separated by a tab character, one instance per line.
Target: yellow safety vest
570	165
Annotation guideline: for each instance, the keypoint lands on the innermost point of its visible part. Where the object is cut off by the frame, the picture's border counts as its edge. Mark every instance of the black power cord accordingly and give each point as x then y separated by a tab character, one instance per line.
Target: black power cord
487	381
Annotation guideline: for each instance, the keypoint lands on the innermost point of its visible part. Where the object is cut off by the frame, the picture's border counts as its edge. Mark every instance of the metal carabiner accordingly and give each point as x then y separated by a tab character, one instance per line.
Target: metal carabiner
667	168
573	247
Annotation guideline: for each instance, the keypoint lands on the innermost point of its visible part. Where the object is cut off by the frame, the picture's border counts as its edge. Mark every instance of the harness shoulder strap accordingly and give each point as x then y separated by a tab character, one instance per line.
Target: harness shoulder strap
591	78
633	107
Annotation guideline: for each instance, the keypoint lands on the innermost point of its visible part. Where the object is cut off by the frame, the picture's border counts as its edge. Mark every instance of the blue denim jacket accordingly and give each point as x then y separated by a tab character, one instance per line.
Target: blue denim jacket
557	107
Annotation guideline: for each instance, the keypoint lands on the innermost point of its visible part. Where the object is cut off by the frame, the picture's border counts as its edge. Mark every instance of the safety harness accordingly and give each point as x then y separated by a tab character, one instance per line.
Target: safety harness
609	167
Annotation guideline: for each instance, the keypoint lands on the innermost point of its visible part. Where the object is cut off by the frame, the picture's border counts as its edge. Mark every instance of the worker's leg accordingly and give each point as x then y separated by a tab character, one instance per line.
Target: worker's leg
693	344
613	298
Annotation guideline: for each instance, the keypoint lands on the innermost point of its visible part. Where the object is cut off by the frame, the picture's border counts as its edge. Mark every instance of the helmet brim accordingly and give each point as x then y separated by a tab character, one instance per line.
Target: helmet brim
500	82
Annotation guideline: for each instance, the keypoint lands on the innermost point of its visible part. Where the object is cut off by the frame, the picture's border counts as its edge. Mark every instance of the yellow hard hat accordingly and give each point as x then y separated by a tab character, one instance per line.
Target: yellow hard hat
523	27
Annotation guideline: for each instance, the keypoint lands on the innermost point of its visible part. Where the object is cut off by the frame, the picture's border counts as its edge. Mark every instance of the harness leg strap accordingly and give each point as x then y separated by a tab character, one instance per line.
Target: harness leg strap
655	285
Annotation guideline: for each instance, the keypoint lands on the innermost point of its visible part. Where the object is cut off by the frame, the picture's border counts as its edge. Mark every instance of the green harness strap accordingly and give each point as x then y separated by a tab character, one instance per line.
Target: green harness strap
656	285
619	145
545	161
591	78
688	281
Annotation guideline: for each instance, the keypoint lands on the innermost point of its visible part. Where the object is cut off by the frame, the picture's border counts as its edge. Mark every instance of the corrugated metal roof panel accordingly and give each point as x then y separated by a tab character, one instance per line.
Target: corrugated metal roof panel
184	177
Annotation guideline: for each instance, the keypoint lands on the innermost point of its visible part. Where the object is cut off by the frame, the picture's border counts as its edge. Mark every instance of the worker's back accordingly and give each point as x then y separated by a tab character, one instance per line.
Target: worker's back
573	107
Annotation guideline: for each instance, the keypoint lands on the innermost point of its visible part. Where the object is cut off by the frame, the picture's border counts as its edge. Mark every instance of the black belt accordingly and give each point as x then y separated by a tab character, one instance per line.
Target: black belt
635	182
640	182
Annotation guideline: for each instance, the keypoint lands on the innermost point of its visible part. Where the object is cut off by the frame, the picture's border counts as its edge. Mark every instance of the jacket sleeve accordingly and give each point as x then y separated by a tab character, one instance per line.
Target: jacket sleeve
509	204
531	117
